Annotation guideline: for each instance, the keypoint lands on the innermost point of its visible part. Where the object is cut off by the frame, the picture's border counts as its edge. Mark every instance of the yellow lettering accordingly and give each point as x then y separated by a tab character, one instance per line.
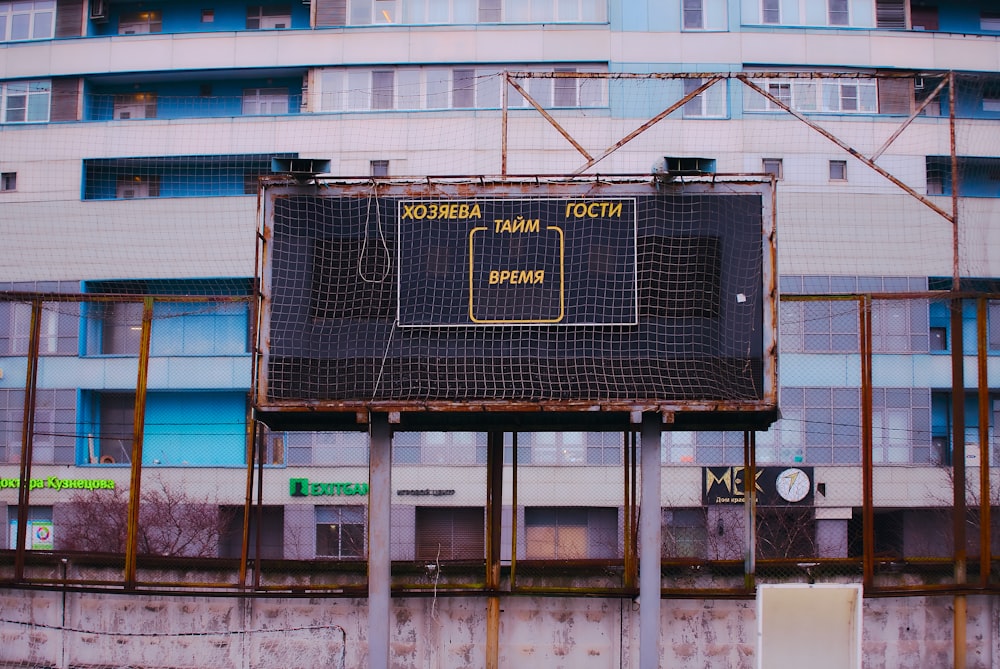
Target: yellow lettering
494	277
600	209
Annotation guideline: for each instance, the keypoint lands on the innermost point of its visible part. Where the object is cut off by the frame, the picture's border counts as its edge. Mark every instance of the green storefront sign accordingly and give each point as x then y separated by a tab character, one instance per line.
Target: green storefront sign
306	488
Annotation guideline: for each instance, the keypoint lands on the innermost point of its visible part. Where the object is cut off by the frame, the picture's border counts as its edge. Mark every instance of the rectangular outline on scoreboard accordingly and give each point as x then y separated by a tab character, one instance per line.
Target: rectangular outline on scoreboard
557	323
521	321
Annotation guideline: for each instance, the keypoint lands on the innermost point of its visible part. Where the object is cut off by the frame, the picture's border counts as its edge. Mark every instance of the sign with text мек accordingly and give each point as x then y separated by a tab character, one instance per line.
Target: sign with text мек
774	485
517	261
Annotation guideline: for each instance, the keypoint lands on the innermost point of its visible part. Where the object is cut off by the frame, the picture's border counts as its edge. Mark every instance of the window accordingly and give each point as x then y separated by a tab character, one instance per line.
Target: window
564	89
140	23
773	166
54	428
258	101
989	21
25	101
463	88
340	531
366	12
135	106
439	448
136	186
450	533
993	324
570	533
817	425
693	14
977	176
555	448
891	435
809	95
444	11
39	535
938	339
270	447
268	17
378	168
991	103
770	11
416	12
325	448
838	12
8	181
710	103
356	89
58	328
489	11
838	170
208	16
27	19
382	89
684	533
117	426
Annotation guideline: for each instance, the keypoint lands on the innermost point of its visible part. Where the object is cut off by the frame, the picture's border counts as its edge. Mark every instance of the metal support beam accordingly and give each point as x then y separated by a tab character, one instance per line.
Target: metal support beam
494	508
379	523
649	542
27	439
138	430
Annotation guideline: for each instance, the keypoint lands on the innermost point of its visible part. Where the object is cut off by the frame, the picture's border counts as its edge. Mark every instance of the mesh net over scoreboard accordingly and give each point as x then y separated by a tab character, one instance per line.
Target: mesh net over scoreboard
474	293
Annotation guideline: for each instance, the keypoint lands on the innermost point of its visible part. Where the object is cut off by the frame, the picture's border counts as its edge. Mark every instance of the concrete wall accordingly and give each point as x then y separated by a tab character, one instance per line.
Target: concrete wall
56	629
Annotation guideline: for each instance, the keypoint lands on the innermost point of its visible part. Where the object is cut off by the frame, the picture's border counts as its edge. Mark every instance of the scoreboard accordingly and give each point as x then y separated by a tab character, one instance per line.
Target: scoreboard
480	299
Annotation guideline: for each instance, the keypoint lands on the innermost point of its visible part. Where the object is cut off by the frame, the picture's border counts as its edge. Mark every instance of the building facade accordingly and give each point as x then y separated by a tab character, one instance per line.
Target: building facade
133	137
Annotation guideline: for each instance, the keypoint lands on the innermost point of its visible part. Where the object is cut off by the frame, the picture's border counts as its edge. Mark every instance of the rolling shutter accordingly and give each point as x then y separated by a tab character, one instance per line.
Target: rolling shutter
69	18
890	13
331	13
445	533
65	104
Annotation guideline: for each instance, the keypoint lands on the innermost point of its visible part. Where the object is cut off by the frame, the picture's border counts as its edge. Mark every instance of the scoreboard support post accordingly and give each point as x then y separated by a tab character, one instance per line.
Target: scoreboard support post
379	524
649	541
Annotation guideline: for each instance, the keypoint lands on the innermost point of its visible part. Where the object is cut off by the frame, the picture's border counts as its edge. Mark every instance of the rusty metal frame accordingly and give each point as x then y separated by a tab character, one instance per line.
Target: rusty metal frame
27	437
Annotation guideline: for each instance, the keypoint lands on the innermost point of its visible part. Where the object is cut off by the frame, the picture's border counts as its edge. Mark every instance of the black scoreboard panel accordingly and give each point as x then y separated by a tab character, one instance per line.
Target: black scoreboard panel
629	295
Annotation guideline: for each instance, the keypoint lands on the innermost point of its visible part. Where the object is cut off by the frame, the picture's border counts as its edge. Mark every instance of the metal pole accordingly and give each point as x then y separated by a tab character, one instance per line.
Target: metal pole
27	439
959	476
379	523
649	542
867	443
957	393
985	495
138	428
750	509
494	507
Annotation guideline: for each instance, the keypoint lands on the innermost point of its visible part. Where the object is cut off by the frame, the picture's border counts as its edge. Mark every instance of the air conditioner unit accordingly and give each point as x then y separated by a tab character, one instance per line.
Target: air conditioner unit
98	10
300	167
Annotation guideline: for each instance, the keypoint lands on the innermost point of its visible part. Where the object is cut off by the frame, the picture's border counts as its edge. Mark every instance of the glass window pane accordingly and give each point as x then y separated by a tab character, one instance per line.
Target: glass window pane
408	90
43	25
361	12
332	87
464	11
19	26
358	90
438	82
437	11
